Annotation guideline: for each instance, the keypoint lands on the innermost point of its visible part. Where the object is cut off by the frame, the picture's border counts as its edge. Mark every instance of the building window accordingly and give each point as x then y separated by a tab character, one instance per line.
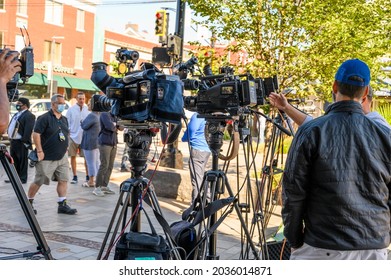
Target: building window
19	43
21	8
1	40
1	4
53	12
80	20
52	50
79	58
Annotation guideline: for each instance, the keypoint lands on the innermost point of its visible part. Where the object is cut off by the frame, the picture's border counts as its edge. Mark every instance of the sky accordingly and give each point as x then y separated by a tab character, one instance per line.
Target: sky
115	14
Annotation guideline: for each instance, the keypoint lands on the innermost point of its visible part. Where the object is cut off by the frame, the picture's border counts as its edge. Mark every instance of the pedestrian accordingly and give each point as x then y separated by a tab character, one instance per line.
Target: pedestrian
89	145
19	133
373	115
75	115
50	135
199	152
337	179
9	66
107	140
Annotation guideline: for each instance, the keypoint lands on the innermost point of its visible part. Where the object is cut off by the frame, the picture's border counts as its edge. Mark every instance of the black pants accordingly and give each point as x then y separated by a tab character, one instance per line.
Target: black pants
19	154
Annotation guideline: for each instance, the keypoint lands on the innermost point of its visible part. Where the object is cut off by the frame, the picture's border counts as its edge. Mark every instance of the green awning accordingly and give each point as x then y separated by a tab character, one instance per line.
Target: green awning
82	84
37	79
61	82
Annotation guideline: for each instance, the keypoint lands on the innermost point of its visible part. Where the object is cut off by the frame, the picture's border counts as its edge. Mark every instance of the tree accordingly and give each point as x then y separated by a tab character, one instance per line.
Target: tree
302	41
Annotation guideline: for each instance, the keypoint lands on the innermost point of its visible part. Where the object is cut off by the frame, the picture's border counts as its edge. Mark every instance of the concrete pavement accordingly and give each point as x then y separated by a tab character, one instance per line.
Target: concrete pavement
80	237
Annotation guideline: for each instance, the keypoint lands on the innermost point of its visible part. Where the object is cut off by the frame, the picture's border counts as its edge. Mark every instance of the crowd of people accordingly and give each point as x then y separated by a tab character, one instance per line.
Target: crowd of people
336	184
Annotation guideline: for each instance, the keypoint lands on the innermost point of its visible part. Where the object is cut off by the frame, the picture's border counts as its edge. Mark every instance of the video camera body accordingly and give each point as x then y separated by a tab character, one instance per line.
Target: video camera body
26	58
143	95
229	93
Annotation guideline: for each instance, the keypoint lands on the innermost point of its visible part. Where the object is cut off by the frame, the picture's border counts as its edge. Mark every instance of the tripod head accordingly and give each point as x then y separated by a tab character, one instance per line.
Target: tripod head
139	139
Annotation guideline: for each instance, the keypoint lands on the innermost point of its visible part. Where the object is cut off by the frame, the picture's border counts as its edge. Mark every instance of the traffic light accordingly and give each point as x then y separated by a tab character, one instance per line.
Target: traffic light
161	23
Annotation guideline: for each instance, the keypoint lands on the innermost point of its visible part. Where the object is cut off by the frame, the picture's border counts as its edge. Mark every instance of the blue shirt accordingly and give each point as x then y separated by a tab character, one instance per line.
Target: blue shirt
195	135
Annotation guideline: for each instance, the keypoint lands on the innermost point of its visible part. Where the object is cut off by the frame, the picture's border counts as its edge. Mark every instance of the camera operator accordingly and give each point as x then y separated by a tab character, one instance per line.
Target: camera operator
199	152
337	178
280	102
9	66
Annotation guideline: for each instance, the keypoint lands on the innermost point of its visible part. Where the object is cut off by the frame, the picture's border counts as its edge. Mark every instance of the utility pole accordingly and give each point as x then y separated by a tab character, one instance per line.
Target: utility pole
172	157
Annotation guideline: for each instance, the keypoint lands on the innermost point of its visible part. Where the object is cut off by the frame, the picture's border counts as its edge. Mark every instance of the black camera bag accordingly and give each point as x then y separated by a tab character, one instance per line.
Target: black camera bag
142	245
185	236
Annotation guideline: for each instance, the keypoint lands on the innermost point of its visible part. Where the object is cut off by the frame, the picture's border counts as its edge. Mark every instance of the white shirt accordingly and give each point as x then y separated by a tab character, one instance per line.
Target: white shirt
75	116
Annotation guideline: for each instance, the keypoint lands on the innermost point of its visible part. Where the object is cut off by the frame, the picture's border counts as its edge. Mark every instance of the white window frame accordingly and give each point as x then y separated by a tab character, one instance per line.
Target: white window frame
79	53
21	8
80	20
54	12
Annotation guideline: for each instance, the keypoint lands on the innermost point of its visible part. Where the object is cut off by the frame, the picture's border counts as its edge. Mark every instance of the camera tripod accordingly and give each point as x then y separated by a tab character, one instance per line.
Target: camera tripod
9	168
214	183
273	160
135	189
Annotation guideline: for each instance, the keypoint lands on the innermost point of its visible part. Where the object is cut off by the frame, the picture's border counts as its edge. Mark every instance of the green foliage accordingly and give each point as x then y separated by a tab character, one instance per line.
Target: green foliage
302	41
385	111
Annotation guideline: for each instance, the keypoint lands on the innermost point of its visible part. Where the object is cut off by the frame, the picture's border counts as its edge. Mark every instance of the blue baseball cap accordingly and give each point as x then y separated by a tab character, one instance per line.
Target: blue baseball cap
353	67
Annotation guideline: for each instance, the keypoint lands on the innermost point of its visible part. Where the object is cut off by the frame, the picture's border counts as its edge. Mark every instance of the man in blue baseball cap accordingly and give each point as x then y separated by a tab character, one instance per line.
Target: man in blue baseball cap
337	178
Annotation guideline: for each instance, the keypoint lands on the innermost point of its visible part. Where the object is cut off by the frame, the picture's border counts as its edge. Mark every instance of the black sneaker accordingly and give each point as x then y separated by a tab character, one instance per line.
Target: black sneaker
32	206
125	169
74	180
63	208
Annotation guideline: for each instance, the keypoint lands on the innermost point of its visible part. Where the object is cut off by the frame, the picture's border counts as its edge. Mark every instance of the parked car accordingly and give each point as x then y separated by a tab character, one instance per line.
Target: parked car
40	106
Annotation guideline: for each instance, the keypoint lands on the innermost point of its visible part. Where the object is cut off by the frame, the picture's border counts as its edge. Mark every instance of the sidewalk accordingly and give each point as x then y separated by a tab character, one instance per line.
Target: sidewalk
80	237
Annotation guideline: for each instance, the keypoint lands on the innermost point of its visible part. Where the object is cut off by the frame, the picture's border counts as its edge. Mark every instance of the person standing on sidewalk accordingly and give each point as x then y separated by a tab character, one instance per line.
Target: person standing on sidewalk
75	115
19	132
107	140
50	137
89	145
337	179
199	152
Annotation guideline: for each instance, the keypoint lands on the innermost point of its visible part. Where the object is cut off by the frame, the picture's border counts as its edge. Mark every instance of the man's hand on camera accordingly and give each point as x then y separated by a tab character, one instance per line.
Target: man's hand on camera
9	65
278	100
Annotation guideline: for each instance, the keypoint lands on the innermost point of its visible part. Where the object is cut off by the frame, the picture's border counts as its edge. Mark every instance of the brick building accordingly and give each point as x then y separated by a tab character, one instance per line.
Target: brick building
61	34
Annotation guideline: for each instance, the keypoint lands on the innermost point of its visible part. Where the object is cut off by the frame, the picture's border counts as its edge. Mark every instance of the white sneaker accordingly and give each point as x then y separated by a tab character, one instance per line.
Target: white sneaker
107	190
98	191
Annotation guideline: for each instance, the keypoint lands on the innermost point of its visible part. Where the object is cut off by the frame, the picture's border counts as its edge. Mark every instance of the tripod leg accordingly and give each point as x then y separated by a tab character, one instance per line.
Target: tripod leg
155	205
113	218
242	221
24	203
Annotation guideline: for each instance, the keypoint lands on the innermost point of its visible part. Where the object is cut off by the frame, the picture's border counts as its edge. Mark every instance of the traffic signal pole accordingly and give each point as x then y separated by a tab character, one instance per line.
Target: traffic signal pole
172	157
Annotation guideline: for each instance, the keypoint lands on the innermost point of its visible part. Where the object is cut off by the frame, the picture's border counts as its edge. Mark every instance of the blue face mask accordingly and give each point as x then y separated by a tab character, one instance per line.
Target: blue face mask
60	108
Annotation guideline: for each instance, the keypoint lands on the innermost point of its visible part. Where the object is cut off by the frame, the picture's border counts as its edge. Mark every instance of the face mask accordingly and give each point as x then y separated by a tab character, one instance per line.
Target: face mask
60	108
18	107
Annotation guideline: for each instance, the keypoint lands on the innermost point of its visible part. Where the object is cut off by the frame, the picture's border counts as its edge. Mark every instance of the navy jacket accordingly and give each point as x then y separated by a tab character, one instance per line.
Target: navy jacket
108	130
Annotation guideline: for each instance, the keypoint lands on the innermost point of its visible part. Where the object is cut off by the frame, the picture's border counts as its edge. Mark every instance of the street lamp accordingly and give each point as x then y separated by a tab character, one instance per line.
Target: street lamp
51	63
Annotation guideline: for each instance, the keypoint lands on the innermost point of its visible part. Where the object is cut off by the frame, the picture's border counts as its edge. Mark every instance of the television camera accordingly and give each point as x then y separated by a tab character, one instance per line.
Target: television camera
143	95
26	58
226	92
